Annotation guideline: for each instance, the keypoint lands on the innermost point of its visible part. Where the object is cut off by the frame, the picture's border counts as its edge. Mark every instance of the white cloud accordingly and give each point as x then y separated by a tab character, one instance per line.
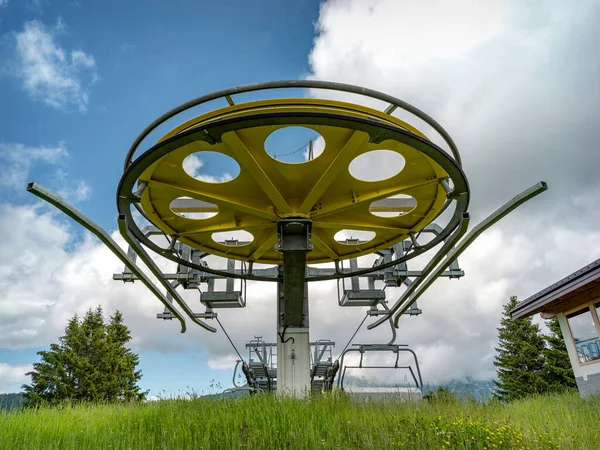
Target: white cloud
18	159
12	376
77	276
81	59
503	79
127	47
223	362
73	276
193	165
50	74
81	191
3	3
318	147
454	337
407	33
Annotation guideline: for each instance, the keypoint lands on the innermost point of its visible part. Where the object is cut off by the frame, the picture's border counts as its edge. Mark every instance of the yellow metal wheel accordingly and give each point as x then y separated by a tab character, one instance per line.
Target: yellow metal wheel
265	190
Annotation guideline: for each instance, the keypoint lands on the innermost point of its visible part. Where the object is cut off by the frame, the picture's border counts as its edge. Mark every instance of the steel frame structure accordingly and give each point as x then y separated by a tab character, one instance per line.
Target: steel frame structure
260	369
457	191
295	231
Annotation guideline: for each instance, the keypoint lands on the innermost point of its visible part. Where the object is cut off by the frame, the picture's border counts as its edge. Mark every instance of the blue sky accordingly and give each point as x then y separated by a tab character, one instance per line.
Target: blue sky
146	58
514	83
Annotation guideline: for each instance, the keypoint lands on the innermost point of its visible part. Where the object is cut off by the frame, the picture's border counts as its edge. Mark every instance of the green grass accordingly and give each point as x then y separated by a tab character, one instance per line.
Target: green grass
558	421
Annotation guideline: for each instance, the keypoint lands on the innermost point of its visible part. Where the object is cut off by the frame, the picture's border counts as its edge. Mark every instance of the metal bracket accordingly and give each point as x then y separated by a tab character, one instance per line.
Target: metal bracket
295	234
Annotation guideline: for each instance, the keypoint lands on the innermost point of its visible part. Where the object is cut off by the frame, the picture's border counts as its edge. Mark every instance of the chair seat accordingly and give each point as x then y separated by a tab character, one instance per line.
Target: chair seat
365	297
222	299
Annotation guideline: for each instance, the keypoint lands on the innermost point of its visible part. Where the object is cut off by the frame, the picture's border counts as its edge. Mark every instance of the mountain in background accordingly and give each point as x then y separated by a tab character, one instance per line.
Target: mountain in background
11	401
466	387
481	390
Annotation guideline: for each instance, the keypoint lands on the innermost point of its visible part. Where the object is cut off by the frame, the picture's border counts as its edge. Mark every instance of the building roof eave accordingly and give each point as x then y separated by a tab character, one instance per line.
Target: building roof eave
558	291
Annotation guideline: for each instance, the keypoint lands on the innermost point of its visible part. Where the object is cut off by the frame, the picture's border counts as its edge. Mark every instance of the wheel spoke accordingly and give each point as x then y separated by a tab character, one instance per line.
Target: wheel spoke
343	158
246	161
339	206
218	200
358	225
319	243
267	244
226	226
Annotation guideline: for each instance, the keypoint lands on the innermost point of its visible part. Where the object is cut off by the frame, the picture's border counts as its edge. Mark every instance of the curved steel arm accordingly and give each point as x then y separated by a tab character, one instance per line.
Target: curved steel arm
462	228
389	316
125	197
234	373
90	225
143	255
475	232
295	84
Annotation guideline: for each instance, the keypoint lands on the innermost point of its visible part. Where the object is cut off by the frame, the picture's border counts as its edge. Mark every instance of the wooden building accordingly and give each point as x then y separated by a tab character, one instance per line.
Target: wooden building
575	300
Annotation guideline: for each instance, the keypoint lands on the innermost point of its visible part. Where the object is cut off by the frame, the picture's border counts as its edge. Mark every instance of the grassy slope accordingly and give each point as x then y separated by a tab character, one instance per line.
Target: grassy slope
560	421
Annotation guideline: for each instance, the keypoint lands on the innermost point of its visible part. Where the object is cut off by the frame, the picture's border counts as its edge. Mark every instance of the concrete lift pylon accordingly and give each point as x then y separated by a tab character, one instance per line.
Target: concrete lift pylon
292	211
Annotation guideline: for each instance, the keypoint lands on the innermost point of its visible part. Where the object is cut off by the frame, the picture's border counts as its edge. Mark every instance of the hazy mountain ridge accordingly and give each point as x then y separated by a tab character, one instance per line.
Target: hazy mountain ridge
466	387
11	401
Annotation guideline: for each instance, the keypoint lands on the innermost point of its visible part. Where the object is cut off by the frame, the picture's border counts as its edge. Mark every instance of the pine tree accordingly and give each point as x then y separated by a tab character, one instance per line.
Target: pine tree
118	335
558	372
90	363
519	360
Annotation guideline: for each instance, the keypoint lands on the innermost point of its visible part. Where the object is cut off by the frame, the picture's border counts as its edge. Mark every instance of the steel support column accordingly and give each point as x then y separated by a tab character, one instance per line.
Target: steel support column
293	343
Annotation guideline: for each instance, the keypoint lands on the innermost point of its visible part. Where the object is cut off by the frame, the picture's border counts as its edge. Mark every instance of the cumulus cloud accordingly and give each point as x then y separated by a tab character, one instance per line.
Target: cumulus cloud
193	166
221	362
51	74
318	147
78	192
77	276
18	159
514	99
454	337
12	376
514	84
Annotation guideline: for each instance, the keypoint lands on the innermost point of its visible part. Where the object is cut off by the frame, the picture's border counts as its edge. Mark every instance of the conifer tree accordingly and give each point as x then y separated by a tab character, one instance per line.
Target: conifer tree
90	363
558	372
519	360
